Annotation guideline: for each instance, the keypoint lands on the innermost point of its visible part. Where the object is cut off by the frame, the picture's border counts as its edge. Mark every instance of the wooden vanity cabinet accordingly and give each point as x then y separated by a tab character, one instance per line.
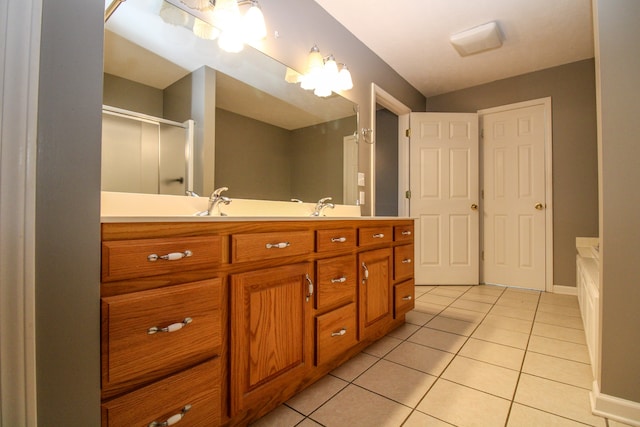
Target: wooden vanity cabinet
246	313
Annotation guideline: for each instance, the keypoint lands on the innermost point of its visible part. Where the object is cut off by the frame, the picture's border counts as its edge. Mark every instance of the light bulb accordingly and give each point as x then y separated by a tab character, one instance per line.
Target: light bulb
344	81
230	40
315	65
226	14
253	23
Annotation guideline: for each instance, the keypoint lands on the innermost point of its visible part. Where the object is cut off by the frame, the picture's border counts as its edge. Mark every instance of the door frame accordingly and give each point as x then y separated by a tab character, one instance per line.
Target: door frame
548	158
388	101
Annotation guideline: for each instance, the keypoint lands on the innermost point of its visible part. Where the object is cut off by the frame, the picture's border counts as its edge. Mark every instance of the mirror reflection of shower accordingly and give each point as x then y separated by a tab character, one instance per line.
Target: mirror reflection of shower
145	154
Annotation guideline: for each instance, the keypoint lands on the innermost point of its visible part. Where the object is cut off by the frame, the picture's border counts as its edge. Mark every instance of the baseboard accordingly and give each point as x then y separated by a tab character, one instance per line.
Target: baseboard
565	290
614	408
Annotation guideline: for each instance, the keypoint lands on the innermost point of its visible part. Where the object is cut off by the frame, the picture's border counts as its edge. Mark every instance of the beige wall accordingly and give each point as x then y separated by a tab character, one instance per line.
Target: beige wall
132	96
618	64
575	181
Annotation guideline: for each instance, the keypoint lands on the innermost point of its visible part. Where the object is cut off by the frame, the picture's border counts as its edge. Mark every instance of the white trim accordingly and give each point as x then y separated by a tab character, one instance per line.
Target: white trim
614	408
565	290
388	101
20	25
548	149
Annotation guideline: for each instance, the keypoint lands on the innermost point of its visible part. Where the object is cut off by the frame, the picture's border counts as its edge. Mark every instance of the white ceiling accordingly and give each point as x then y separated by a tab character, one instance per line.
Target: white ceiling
412	36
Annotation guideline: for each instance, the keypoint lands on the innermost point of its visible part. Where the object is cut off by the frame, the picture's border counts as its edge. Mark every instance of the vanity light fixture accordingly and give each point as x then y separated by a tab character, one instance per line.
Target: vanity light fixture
324	75
222	20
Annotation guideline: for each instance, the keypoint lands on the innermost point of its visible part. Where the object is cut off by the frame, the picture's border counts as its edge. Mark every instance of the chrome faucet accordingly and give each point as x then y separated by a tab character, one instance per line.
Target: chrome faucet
321	205
215	200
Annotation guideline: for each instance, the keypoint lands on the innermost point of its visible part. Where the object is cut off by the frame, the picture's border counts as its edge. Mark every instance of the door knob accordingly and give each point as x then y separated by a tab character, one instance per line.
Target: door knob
474	207
539	206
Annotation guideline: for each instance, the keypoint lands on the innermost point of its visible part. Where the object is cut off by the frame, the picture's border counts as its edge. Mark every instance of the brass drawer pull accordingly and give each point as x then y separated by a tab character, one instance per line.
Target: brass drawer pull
171	328
338	239
406	261
339	333
173	419
407	298
378	235
173	256
280	245
406	233
339	280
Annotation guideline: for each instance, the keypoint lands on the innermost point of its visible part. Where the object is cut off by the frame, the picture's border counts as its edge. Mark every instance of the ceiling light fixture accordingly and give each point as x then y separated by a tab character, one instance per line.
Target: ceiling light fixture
477	39
221	19
324	75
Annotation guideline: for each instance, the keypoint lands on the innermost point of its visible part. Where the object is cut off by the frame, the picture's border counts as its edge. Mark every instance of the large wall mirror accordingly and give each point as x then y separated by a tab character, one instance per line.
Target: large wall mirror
182	114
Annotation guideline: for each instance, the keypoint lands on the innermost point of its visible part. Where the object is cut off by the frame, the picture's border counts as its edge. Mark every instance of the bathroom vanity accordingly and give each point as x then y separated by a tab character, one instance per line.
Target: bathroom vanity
216	321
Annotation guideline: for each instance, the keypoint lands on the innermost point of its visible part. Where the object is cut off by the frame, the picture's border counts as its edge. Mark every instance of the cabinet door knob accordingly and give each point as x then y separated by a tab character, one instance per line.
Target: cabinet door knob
339	280
406	261
406	233
407	298
338	239
378	235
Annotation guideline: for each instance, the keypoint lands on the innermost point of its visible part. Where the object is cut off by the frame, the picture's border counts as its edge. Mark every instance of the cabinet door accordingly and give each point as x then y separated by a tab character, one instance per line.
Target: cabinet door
374	290
271	333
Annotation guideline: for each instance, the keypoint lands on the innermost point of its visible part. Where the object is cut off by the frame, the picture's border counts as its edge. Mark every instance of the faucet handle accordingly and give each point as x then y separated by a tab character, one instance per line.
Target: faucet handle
218	191
325	199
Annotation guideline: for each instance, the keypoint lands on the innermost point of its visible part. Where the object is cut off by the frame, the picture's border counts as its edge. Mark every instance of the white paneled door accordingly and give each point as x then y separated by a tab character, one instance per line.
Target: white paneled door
444	197
514	204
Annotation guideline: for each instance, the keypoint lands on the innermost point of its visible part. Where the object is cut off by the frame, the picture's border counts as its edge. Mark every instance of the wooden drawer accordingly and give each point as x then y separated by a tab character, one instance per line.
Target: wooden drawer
374	235
132	354
403	260
336	281
197	389
335	333
127	259
403	233
335	240
404	298
259	246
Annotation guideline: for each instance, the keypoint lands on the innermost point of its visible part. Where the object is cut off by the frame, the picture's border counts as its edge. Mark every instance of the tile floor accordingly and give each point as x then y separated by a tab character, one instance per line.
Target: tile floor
467	356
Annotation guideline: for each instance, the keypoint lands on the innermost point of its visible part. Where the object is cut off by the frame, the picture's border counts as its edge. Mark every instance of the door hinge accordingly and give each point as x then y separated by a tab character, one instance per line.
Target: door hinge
482	194
482	255
407	133
481	133
407	194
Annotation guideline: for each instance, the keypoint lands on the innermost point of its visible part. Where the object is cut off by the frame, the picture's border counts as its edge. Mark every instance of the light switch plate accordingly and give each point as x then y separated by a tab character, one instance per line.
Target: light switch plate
361	179
362	197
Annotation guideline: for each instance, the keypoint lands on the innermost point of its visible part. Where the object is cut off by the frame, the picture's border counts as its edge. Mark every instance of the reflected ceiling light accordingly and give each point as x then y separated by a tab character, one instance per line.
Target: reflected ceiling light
477	39
324	75
221	19
173	15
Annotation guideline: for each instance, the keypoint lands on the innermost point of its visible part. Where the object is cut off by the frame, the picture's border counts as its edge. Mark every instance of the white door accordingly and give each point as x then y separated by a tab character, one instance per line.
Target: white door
444	197
514	217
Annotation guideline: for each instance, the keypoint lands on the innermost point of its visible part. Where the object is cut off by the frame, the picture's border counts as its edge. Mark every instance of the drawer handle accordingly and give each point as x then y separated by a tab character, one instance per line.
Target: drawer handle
339	280
280	245
173	256
406	261
171	328
339	333
173	419
310	287
338	239
378	235
406	233
407	298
